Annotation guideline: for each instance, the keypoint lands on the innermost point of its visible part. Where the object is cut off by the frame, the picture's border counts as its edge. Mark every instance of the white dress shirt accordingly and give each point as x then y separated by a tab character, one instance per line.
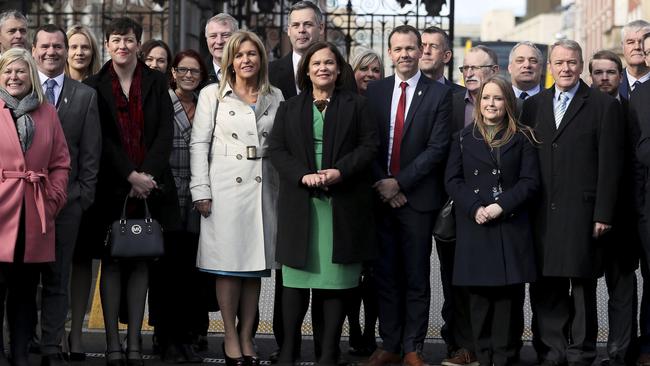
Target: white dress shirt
397	92
530	92
57	88
217	69
295	58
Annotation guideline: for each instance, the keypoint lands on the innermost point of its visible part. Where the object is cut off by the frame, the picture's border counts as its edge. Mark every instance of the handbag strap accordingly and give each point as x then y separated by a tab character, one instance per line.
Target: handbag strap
147	214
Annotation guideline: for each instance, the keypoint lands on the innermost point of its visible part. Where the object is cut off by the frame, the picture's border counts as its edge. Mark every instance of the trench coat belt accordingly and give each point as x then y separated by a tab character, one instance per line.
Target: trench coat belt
234	150
37	179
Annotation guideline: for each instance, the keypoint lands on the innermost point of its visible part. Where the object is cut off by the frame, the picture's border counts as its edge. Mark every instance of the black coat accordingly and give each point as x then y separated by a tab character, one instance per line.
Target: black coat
580	169
283	77
425	140
115	166
349	145
500	252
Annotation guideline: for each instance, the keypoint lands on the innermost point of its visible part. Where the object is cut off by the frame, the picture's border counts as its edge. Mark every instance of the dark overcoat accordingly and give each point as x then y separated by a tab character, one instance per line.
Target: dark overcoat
349	145
115	166
580	168
500	252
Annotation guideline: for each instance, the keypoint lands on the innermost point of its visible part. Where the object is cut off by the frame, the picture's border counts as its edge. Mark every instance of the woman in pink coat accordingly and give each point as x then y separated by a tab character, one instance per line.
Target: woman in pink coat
34	166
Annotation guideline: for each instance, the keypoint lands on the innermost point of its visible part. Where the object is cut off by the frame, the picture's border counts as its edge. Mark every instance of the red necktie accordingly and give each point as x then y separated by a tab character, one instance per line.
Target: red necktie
397	131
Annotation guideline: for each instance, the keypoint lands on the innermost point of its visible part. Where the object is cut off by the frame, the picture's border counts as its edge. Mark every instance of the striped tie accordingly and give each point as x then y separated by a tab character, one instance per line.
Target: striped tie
560	108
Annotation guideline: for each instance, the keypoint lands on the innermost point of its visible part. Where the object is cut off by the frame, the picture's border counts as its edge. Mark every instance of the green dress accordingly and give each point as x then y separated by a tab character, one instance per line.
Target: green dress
319	271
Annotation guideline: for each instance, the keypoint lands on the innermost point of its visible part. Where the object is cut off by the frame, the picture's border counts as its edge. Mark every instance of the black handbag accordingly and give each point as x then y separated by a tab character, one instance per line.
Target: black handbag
444	229
135	238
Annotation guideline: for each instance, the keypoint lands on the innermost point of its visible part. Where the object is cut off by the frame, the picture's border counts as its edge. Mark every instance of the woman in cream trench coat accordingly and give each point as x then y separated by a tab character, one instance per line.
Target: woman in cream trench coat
238	187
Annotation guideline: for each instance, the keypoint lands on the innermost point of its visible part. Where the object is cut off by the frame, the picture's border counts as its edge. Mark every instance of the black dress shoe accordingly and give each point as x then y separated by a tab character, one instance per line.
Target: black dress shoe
55	359
190	355
171	354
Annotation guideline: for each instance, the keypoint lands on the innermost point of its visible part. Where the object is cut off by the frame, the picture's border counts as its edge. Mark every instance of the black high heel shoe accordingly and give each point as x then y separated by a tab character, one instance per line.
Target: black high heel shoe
134	361
251	360
75	356
115	361
239	361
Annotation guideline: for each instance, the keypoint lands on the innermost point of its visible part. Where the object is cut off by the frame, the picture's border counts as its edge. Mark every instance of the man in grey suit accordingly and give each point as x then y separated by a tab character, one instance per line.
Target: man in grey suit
76	105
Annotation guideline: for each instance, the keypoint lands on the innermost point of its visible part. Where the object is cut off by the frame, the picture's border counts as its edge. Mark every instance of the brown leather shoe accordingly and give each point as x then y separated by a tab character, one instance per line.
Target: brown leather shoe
413	359
381	357
462	357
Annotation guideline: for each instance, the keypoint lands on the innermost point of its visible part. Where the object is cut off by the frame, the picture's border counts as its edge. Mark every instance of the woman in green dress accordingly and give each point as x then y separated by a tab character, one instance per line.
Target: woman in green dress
322	144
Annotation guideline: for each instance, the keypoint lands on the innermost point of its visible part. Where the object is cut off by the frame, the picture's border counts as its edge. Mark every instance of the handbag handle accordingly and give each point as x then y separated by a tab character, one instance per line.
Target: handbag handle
147	213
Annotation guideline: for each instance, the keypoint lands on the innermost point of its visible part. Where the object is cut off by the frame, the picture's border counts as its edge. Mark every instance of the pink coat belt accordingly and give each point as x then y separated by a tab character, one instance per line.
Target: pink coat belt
37	180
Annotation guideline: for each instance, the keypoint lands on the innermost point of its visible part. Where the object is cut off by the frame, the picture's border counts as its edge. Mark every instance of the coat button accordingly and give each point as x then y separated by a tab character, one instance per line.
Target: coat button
239	157
258	179
232	113
238	180
553	207
494	172
554	145
476	191
266	113
475	171
265	134
234	135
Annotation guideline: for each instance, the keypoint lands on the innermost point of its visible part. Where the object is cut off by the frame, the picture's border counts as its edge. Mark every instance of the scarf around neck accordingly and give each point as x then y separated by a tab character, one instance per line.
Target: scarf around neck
20	109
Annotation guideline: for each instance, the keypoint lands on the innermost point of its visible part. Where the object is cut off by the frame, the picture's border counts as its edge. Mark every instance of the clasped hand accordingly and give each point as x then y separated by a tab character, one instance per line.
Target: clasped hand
389	192
322	178
141	184
486	214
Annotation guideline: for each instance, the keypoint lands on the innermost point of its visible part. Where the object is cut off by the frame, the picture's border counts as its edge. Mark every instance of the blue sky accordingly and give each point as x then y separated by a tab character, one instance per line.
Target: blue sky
470	11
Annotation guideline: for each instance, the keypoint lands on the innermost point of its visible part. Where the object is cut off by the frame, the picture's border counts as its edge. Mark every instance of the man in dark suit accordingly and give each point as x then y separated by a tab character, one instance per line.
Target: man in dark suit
525	67
622	244
436	54
77	110
636	72
413	115
306	27
13	30
582	146
218	30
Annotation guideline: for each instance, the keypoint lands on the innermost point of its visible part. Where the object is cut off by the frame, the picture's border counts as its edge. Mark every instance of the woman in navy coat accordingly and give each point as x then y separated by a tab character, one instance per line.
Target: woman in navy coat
492	175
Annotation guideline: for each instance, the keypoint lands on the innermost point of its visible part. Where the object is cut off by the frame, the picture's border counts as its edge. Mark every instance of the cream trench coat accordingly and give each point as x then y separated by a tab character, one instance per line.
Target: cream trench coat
240	233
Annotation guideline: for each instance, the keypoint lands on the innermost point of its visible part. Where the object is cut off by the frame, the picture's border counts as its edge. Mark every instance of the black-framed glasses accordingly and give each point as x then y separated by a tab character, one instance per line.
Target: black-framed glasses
466	68
185	70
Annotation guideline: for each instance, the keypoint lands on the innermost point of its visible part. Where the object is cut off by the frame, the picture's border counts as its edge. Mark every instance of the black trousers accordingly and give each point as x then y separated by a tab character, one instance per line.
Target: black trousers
179	281
327	315
402	277
493	311
456	329
567	318
621	309
55	278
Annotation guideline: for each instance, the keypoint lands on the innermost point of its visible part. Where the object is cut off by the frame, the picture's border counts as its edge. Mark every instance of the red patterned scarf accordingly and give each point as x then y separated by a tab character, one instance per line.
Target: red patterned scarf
130	119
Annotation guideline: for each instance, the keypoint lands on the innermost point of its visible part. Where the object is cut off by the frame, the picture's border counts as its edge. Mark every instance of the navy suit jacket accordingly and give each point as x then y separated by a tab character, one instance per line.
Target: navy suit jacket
425	140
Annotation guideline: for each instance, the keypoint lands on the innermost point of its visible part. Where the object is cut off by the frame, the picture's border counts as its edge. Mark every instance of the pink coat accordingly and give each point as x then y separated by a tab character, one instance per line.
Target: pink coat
40	177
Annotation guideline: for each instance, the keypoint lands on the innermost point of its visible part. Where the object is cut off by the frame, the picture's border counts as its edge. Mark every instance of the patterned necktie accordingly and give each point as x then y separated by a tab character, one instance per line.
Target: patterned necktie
397	131
633	87
49	91
321	104
560	108
523	95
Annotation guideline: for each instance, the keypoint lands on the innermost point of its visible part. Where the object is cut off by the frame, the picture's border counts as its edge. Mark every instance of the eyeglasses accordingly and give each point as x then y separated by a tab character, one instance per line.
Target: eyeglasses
185	70
464	69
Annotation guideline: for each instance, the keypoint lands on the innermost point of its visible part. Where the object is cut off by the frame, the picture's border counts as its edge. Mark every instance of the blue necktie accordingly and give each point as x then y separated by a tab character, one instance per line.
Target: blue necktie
49	91
560	108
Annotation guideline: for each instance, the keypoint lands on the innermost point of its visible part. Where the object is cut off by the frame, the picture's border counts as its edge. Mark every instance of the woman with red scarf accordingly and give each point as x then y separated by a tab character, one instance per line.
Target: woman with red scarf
136	117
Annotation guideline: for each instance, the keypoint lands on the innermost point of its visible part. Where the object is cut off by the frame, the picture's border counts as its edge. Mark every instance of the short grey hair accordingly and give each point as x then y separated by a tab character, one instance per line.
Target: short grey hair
634	26
536	50
494	59
12	13
568	44
306	4
222	18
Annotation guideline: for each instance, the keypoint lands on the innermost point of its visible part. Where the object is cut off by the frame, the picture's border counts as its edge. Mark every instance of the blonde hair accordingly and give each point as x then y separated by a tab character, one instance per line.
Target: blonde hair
19	54
95	62
229	52
509	123
364	58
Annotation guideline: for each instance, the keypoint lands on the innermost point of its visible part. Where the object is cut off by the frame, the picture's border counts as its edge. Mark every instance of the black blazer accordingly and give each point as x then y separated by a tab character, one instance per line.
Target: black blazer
282	76
580	168
425	140
349	145
455	88
115	167
500	252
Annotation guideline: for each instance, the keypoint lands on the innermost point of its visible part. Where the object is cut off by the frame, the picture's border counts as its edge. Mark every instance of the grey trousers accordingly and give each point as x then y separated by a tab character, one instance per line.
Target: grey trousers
622	309
55	277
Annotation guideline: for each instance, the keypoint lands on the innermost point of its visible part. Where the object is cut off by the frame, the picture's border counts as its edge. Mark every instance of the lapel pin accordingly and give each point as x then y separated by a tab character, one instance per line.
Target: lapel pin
65	100
419	92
